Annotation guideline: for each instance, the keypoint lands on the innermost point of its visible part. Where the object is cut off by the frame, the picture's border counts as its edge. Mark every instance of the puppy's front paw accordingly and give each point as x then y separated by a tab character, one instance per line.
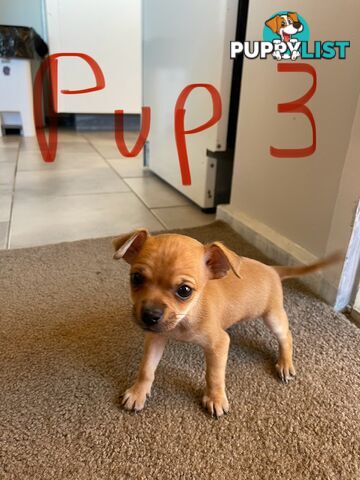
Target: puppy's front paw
216	403
285	370
135	397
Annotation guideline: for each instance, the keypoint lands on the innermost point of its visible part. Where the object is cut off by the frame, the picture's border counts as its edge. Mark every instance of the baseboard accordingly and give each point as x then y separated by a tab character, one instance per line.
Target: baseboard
280	249
355	315
105	122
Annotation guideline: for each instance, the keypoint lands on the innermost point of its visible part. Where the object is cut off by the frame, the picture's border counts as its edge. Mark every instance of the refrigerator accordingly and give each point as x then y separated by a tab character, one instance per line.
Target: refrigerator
187	42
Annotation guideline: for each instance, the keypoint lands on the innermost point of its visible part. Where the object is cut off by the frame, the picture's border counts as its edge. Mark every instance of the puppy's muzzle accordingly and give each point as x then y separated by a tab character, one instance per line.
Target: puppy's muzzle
151	316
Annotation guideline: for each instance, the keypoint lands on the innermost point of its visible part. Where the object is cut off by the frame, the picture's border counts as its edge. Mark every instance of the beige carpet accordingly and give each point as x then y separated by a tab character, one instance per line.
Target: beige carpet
68	348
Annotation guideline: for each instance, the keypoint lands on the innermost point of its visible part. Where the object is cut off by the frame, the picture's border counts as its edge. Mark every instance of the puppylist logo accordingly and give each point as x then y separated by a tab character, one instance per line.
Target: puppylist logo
286	36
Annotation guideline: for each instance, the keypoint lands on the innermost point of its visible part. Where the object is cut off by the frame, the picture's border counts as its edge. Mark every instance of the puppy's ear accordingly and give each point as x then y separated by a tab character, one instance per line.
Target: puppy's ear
128	246
272	23
294	17
219	259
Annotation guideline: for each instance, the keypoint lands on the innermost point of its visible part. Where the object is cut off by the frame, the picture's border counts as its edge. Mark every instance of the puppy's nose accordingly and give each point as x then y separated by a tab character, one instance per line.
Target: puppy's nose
151	316
297	25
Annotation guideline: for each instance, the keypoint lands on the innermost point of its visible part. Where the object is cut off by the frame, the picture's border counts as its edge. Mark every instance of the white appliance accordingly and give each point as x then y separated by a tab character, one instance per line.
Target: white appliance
186	42
108	31
16	97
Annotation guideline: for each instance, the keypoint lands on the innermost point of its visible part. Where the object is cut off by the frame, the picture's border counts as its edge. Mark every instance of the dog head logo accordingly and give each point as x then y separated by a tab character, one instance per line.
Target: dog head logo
287	28
285	25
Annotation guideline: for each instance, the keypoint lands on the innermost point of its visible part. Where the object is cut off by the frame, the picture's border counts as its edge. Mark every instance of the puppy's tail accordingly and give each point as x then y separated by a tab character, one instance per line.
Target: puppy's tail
290	272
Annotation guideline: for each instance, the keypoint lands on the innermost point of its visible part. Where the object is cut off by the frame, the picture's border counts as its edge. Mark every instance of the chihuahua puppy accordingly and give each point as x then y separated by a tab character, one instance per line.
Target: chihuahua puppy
187	291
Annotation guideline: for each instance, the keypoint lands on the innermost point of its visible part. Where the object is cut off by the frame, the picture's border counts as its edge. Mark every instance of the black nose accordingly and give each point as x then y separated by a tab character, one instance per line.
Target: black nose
297	25
151	316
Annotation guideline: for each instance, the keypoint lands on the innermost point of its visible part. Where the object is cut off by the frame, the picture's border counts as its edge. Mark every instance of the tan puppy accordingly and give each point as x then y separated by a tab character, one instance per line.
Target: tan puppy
191	292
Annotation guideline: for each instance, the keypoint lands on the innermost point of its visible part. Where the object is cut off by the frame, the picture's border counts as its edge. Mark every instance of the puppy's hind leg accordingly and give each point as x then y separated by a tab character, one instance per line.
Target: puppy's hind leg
278	323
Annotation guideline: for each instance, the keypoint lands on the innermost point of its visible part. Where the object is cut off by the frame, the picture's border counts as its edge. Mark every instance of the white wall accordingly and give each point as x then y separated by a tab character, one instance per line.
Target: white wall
110	32
308	202
348	194
27	13
297	196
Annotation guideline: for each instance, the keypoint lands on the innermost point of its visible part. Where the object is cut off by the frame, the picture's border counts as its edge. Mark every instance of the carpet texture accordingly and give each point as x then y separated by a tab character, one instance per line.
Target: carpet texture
68	348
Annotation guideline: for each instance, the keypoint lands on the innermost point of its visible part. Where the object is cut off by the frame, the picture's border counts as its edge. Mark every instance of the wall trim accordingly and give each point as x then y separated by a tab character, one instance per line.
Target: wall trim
277	247
355	315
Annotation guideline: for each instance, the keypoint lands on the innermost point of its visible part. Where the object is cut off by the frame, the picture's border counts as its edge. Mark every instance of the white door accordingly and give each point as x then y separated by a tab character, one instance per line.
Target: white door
108	31
187	41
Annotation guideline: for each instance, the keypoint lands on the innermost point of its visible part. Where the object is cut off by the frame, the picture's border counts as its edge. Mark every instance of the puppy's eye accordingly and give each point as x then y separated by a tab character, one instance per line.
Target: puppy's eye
136	279
184	291
283	24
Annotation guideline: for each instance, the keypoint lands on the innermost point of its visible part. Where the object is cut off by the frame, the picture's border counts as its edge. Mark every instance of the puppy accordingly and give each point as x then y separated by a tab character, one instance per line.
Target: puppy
187	291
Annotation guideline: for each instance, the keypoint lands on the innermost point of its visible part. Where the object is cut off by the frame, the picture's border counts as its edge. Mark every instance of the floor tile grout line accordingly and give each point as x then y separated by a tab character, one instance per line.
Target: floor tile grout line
8	233
147	206
13	190
160	220
174	206
108	164
122	178
114	192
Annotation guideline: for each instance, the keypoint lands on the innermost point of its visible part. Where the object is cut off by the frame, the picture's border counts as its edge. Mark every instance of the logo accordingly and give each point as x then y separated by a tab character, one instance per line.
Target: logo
288	29
286	36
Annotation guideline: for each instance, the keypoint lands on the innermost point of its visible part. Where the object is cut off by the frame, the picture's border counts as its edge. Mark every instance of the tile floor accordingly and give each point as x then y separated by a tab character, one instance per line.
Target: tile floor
89	191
